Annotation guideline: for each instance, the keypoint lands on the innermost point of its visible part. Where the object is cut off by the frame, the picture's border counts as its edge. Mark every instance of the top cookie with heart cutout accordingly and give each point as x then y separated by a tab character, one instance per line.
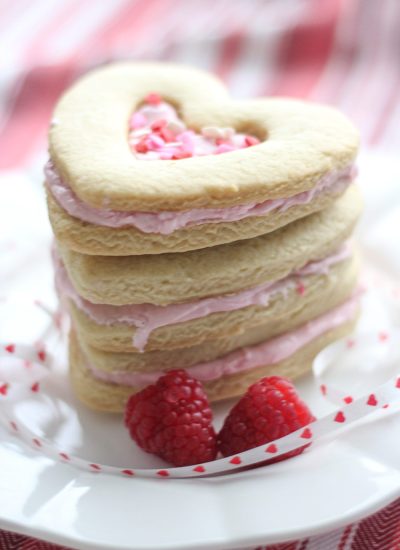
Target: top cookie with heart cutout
237	169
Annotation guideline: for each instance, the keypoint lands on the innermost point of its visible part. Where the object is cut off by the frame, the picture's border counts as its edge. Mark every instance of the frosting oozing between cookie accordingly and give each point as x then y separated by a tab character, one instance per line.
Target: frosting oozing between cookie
148	317
270	352
166	222
156	132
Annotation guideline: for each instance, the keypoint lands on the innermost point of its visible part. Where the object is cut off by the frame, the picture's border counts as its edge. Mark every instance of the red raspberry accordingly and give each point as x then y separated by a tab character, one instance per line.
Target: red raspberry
270	409
172	419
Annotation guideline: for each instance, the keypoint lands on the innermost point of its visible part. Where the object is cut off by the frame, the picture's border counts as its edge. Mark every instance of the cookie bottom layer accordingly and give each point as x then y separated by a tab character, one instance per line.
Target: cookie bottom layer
102	396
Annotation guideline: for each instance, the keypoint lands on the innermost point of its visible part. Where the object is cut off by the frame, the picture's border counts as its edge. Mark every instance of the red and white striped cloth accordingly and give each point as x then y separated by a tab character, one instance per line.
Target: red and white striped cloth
378	532
343	52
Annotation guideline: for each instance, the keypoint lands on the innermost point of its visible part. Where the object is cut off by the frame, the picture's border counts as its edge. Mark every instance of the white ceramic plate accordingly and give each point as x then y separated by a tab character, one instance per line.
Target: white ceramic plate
330	486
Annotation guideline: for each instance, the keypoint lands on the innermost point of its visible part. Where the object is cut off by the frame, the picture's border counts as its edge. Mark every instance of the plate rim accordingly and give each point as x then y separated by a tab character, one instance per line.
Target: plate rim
64	540
73	540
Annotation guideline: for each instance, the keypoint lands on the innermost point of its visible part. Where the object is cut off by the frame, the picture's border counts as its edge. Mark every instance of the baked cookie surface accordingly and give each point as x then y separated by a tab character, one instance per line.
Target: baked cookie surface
303	162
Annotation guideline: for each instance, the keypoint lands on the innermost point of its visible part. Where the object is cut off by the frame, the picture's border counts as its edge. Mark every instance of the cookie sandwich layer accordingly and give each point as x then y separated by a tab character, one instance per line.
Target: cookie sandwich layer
221	344
175	278
147	326
283	159
289	355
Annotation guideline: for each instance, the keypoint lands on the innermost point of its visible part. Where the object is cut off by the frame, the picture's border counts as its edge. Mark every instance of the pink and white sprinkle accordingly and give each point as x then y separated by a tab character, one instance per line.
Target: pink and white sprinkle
156	132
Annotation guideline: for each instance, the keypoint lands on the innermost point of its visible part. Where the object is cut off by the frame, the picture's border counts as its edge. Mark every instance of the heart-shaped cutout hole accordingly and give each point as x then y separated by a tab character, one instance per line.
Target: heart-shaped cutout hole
157	132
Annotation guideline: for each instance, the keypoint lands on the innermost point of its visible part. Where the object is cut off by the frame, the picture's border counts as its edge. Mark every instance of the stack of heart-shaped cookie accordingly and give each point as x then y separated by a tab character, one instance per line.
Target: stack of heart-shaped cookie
194	231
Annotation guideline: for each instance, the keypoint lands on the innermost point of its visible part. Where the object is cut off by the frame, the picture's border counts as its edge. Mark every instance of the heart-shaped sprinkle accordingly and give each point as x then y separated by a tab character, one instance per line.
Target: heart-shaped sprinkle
35	387
57	319
340	417
251	140
385	406
153	98
41	355
306	434
64	456
163	473
348	399
4	389
235	460
398	383
10	348
372	400
300	288
128	472
199	469
323	389
95	467
271	448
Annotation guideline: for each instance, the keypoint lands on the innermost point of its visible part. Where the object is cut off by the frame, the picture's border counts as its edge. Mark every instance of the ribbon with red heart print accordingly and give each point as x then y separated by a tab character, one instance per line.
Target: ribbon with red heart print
38	362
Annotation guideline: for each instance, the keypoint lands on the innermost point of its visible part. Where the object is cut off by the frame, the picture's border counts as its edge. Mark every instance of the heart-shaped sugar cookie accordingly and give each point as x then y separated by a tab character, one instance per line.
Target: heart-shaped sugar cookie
103	199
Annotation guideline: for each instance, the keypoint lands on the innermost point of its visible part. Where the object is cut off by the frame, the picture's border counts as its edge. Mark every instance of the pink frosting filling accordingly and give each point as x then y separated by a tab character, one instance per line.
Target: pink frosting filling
166	222
267	353
148	317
